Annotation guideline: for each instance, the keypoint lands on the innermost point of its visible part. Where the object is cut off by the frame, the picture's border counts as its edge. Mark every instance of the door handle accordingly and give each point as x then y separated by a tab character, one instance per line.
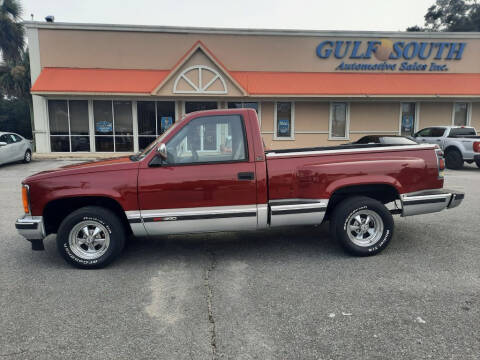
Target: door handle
246	176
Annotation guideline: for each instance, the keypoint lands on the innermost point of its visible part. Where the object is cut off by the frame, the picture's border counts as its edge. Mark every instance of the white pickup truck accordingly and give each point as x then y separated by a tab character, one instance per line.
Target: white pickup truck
459	143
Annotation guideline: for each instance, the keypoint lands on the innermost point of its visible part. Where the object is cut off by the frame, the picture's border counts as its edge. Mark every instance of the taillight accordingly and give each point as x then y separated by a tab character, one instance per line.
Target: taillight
476	146
440	163
25	199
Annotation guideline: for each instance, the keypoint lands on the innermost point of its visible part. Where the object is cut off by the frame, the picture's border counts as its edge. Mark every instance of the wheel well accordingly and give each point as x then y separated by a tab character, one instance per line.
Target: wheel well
381	192
57	210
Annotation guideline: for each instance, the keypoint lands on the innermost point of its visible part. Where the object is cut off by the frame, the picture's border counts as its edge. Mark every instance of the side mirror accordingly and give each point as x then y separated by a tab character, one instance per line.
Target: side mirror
162	151
2	143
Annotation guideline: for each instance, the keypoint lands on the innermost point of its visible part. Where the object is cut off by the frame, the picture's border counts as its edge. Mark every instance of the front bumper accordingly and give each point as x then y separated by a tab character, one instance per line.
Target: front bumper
430	201
31	227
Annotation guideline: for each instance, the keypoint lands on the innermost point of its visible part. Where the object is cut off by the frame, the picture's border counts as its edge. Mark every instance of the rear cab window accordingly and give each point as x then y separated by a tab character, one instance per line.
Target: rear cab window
462	132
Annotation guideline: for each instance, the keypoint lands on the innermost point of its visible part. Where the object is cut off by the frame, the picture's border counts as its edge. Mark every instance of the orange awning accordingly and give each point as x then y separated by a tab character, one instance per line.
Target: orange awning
108	81
358	84
132	81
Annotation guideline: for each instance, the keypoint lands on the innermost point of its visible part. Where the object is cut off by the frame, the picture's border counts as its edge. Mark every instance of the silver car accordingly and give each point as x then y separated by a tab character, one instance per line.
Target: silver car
14	147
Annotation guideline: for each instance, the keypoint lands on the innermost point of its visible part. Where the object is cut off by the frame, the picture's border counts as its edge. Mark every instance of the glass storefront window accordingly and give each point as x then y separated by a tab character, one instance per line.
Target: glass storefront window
103	120
408	119
113	125
284	120
154	118
243	105
68	120
191	106
460	114
338	121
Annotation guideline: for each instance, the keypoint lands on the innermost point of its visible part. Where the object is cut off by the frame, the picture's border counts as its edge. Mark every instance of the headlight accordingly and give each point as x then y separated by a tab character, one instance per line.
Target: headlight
26	198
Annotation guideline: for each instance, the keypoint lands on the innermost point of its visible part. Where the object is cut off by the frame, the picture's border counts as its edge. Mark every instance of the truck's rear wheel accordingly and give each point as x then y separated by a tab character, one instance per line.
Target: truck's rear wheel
90	237
362	225
453	159
477	161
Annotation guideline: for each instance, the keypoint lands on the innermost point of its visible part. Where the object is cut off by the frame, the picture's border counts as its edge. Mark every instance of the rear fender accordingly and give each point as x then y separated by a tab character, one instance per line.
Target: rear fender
364	180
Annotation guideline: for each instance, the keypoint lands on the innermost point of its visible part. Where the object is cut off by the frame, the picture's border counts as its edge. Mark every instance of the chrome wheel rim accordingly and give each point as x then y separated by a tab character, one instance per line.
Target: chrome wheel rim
365	228
89	240
27	156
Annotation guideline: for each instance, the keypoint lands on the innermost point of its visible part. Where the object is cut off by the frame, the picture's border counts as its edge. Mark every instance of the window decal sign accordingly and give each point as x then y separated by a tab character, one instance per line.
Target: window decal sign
104	126
284	126
407	122
166	122
419	55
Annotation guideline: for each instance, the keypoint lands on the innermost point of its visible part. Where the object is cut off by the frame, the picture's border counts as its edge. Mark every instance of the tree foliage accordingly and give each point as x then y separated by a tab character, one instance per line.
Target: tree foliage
12	31
451	15
15	77
15	116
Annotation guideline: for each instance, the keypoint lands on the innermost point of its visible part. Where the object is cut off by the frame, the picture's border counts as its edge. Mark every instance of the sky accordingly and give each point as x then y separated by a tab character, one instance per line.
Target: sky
374	15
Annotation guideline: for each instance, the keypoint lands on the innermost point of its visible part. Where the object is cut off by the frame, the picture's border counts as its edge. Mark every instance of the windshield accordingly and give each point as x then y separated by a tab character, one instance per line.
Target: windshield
142	154
462	132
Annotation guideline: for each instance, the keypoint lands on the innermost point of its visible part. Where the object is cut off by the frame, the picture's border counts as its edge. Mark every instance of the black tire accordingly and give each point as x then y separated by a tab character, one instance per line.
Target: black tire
345	214
107	221
477	162
27	157
453	159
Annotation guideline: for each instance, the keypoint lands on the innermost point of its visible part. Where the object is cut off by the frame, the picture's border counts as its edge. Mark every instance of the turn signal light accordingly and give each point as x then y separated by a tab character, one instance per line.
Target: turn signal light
440	163
25	200
476	146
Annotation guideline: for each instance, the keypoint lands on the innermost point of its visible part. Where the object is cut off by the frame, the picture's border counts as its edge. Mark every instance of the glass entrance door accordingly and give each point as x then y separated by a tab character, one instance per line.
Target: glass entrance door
408	119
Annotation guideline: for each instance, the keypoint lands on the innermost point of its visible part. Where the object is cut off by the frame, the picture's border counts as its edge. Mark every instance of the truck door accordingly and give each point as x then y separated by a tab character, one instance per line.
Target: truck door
207	183
437	136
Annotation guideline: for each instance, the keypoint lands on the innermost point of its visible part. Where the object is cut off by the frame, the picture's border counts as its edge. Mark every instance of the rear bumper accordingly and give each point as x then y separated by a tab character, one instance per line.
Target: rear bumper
430	201
31	227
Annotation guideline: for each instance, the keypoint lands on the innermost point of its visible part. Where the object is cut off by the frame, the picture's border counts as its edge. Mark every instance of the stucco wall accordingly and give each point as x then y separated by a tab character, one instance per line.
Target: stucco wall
377	117
435	114
161	50
476	116
311	115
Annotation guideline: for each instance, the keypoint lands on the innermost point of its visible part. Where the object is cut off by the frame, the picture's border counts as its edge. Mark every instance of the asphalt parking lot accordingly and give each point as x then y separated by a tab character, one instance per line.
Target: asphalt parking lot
288	294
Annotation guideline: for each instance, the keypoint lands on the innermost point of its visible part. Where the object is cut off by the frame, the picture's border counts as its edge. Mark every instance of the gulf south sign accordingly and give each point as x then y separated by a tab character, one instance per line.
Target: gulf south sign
414	55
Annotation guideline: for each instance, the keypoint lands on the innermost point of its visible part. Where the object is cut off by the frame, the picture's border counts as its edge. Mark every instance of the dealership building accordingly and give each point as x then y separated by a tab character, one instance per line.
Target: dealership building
115	88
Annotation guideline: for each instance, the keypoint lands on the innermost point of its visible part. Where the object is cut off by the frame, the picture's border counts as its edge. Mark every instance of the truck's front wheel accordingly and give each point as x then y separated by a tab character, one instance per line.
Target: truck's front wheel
362	225
90	237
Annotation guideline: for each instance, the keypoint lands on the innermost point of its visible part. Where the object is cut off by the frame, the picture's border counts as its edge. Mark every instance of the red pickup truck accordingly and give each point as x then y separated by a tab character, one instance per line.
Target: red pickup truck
210	172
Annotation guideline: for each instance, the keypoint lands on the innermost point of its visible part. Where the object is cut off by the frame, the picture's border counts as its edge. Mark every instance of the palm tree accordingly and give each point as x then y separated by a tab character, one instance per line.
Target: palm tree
11	29
15	80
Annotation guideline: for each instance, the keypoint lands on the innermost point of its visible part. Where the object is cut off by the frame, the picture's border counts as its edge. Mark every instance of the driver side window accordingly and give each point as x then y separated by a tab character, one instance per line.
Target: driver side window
425	132
209	139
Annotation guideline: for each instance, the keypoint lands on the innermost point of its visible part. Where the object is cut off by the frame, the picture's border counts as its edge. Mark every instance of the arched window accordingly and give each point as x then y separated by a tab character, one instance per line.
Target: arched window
199	79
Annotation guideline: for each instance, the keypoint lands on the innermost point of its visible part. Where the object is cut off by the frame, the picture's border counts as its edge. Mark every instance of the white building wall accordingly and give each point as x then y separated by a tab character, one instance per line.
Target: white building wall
40	130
